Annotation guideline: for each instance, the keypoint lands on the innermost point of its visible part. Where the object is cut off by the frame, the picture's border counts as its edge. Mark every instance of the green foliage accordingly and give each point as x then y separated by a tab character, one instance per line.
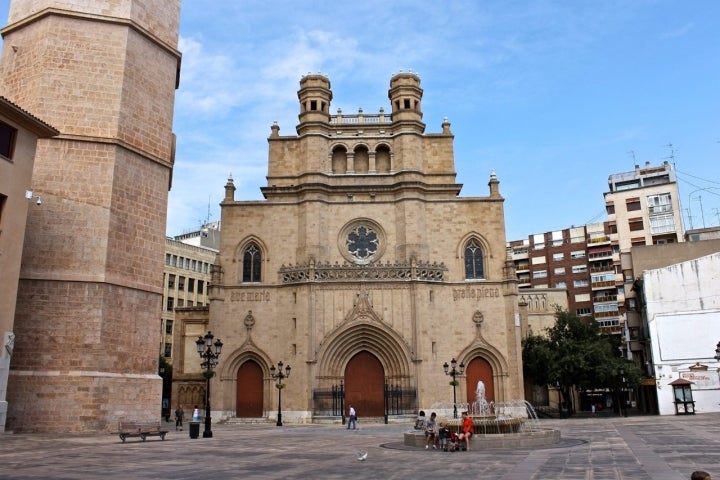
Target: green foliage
164	367
574	353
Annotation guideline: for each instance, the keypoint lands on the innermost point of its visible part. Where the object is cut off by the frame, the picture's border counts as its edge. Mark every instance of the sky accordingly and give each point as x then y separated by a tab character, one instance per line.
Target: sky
554	96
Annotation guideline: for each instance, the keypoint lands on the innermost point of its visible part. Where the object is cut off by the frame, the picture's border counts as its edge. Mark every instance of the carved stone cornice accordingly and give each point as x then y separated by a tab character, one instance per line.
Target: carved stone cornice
374	272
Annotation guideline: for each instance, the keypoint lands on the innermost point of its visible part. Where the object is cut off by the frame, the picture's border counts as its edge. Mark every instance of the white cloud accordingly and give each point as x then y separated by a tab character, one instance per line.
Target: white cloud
678	32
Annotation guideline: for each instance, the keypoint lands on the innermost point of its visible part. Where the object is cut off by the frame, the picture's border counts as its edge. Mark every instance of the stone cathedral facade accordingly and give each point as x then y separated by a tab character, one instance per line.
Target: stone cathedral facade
363	268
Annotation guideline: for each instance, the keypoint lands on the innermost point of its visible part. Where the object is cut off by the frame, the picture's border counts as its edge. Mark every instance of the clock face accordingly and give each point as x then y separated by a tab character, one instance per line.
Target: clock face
361	241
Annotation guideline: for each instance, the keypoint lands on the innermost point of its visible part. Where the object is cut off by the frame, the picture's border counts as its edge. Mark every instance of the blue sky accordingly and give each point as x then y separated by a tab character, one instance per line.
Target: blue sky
552	95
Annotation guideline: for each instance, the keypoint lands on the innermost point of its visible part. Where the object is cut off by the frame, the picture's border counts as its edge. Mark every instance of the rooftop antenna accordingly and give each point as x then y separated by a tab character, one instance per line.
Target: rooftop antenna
717	214
207	219
672	154
632	154
689	217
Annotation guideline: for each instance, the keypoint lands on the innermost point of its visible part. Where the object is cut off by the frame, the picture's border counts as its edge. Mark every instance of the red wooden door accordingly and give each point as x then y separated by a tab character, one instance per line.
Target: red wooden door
479	369
365	385
249	390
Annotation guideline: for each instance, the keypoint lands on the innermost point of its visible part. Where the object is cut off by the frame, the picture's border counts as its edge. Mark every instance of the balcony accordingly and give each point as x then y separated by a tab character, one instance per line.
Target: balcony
605	285
595	256
609	314
612	329
519	253
603	269
605	298
598	240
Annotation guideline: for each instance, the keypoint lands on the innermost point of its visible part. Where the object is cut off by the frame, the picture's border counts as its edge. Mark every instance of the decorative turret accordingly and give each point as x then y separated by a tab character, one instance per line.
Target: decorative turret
494	185
230	189
405	97
315	96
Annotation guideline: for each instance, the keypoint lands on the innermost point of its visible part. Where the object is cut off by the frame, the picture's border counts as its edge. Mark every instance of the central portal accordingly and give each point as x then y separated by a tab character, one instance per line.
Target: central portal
365	385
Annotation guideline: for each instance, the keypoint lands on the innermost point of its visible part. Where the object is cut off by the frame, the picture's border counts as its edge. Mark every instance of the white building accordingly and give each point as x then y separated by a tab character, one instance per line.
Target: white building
682	307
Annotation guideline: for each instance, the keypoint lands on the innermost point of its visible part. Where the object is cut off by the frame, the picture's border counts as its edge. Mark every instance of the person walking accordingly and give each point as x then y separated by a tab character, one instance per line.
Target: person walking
179	414
352	418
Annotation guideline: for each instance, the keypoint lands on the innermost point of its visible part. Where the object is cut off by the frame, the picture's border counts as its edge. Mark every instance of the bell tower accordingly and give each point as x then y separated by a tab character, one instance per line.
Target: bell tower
405	96
89	300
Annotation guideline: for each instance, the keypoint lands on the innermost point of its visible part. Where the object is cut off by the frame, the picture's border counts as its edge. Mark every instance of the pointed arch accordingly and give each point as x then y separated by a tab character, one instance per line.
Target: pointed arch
496	363
474	252
340	346
250	256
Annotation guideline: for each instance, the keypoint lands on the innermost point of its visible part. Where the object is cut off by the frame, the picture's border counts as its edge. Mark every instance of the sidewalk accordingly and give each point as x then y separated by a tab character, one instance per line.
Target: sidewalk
638	448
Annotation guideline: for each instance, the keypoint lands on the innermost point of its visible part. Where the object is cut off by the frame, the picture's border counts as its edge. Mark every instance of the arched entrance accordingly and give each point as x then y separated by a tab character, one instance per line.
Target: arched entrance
249	390
479	369
365	385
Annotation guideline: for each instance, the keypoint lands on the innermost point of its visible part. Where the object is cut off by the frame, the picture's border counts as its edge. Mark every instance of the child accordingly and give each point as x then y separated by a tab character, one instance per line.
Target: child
444	434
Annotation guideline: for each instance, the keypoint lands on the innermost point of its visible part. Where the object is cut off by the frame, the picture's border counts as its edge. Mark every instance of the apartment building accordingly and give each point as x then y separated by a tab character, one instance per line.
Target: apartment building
643	208
594	261
557	259
186	282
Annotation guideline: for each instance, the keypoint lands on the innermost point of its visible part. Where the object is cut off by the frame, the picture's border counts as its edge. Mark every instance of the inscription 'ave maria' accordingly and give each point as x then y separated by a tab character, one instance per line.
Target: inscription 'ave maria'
251	296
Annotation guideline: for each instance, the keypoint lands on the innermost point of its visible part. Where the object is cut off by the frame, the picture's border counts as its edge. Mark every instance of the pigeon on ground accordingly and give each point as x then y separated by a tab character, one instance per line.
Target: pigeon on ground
361	456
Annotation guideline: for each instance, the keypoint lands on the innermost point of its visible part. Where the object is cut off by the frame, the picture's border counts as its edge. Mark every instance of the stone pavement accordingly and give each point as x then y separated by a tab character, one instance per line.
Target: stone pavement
638	448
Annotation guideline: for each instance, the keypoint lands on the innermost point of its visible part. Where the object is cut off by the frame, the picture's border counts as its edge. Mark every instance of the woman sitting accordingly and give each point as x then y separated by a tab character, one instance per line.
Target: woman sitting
466	430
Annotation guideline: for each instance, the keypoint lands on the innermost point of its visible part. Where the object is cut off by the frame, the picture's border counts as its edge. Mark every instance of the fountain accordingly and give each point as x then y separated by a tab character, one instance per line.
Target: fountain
512	424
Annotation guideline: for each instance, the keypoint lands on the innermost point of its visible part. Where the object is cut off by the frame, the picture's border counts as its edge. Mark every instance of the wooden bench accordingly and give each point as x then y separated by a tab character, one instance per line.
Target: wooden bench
142	430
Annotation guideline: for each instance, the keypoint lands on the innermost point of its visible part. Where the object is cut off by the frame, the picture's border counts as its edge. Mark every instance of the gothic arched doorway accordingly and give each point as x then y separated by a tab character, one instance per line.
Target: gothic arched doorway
479	369
365	385
249	390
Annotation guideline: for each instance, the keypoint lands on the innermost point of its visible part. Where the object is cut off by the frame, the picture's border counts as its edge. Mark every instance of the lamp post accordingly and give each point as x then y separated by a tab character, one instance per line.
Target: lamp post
454	372
623	392
279	375
209	352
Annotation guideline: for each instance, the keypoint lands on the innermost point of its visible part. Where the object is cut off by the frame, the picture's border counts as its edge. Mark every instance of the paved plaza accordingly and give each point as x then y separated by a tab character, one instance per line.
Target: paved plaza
638	448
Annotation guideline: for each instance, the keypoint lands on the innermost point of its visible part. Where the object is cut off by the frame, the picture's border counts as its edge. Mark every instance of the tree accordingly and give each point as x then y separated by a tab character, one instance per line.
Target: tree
573	353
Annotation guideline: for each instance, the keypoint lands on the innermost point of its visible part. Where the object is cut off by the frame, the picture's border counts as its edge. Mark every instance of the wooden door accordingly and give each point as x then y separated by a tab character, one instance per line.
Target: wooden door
479	369
249	390
365	385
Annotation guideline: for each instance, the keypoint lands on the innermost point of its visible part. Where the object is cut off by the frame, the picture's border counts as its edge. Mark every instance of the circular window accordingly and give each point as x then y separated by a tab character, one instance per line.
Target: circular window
362	241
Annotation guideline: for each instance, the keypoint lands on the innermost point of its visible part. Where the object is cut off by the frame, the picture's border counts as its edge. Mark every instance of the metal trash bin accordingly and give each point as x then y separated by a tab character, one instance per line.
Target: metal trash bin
194	429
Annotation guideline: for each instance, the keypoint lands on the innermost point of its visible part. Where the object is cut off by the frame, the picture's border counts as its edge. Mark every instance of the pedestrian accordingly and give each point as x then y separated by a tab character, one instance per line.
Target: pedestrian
700	475
352	418
431	431
179	414
467	429
196	414
420	420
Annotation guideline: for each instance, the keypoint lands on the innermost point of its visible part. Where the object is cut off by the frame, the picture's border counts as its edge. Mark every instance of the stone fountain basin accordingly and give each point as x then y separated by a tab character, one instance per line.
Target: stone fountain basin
497	441
493	432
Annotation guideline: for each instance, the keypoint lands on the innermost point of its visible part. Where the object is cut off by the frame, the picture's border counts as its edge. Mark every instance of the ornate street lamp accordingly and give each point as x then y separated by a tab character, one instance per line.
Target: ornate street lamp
279	375
454	372
209	352
717	352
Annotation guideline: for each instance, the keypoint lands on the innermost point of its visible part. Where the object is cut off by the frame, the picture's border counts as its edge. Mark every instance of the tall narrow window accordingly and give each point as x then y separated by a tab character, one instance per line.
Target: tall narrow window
473	260
251	264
